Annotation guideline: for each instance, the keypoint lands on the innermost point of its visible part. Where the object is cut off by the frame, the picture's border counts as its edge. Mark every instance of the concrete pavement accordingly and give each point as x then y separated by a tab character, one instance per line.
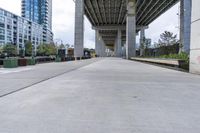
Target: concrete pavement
14	79
108	96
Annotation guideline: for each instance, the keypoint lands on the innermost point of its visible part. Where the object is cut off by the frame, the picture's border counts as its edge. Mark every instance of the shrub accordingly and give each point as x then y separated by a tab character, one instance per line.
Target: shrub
181	56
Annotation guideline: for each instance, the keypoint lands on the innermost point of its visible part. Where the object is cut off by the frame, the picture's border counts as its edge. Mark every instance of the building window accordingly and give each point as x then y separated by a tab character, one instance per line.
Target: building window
2	19
2	43
9	27
2	25
2	37
9	21
1	12
2	31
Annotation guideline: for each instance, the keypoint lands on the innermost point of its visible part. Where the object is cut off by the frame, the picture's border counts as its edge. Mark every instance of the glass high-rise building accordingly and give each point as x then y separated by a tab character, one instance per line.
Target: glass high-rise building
39	11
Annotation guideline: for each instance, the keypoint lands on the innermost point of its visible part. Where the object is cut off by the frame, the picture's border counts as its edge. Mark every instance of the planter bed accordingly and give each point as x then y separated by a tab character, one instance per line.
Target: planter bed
10	63
70	58
58	59
1	62
43	59
31	61
22	62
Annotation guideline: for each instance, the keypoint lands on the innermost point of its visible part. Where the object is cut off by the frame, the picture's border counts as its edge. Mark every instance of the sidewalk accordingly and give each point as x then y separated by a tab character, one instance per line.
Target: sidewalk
108	96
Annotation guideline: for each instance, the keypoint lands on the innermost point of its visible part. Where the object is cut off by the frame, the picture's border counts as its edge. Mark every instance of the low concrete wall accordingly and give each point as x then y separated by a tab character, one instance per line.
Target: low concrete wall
195	38
160	61
169	62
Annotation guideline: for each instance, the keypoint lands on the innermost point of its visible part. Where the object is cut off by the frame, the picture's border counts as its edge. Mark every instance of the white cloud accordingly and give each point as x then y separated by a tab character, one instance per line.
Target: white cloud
63	21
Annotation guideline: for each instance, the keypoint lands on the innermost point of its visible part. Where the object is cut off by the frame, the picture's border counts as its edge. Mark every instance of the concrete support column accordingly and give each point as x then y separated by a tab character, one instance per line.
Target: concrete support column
103	48
79	28
97	47
195	37
100	47
131	29
115	47
124	50
142	41
119	44
185	25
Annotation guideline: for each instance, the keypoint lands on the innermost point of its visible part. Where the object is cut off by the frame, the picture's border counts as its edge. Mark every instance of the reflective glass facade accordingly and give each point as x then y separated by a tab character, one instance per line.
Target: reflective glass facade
30	10
39	11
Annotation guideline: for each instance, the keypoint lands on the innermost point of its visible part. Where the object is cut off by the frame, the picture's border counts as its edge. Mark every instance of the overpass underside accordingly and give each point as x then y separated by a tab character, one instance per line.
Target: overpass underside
117	22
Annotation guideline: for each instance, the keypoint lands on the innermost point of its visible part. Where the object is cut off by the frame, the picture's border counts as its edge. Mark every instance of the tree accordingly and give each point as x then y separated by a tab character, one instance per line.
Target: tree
10	50
146	46
46	49
41	50
62	46
67	46
167	38
28	48
50	49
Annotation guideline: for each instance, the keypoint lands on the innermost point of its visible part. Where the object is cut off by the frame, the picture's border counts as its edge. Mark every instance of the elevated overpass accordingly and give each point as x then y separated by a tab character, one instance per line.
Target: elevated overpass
116	22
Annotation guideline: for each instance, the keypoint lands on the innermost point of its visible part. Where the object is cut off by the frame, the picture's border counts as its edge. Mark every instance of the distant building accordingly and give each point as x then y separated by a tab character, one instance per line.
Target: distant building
39	11
17	30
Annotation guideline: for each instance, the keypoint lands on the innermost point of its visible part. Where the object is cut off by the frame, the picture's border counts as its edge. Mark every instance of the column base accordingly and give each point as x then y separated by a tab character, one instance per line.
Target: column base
195	61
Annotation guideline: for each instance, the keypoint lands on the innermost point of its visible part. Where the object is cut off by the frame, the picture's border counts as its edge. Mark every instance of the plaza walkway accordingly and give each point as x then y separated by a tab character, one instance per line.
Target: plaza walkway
108	95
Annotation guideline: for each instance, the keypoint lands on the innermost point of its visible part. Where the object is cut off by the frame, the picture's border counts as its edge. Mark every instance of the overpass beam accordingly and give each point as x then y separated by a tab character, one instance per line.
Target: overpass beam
79	29
131	29
185	25
195	37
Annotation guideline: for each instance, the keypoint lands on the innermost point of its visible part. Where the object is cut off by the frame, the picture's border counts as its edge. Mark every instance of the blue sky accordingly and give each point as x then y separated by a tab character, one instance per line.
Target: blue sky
63	21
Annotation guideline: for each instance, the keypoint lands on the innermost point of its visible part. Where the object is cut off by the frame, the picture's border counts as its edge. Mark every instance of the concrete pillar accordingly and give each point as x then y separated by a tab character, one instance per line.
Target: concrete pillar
142	41
115	48
97	42
124	49
131	29
102	47
119	44
185	25
79	28
195	38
